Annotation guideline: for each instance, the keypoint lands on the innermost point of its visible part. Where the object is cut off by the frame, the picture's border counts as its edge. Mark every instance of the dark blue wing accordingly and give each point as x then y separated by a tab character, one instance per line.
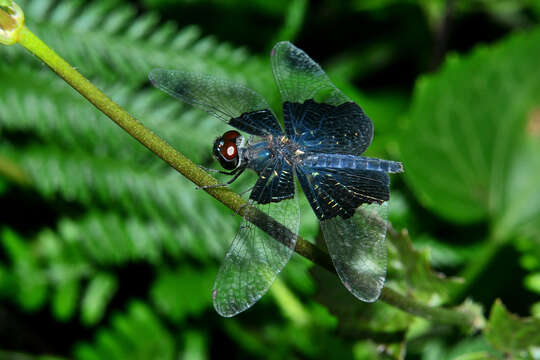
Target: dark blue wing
275	183
233	103
324	128
316	113
339	192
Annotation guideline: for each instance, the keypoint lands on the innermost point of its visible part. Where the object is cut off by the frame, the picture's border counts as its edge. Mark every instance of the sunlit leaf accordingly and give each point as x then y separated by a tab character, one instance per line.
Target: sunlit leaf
64	301
467	123
414	267
512	334
521	215
137	334
184	291
30	285
96	297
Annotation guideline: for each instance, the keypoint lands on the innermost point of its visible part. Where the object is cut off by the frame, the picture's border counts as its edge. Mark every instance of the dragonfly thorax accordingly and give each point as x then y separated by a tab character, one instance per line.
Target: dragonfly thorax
259	154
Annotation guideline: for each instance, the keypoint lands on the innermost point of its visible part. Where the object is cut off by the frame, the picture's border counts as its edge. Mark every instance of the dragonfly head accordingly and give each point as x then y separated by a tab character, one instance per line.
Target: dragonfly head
226	149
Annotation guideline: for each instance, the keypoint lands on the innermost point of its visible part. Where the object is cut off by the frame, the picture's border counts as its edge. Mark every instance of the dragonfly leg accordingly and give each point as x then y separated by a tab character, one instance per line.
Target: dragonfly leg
236	172
245	191
218	171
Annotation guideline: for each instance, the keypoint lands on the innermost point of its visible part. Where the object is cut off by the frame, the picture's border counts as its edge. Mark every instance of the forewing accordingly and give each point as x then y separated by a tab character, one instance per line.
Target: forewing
358	251
255	257
299	78
233	103
317	115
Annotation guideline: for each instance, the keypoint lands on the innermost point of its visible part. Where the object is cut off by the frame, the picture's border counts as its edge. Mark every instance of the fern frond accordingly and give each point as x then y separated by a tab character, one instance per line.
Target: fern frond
108	238
56	114
92	180
136	334
45	268
111	42
169	290
74	153
22	278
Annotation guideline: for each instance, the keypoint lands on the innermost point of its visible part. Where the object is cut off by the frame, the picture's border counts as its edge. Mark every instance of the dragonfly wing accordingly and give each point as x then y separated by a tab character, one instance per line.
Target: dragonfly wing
275	183
233	103
317	115
255	258
339	192
358	251
351	205
299	78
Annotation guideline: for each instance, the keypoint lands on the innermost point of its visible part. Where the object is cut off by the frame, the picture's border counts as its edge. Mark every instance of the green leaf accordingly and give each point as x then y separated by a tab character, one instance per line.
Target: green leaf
183	292
30	284
14	246
356	318
511	334
138	335
532	282
111	41
535	310
466	124
195	346
414	268
293	21
521	216
97	295
64	301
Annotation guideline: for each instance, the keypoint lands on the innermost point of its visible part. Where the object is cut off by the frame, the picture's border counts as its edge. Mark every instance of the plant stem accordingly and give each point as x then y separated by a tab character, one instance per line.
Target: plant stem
437	314
195	174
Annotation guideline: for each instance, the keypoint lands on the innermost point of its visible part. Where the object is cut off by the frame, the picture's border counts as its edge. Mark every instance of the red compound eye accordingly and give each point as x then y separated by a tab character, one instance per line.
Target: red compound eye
226	151
228	148
231	135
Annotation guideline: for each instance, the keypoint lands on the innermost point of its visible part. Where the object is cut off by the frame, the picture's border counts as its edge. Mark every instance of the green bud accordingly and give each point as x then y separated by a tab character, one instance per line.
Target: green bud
11	22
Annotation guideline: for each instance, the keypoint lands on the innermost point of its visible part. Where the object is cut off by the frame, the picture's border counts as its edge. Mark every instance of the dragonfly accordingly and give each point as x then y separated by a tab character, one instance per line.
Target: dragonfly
320	144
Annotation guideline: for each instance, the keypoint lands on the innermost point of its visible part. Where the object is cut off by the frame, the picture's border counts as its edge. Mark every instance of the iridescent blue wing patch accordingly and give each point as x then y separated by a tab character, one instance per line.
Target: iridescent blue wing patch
338	192
323	128
316	113
275	183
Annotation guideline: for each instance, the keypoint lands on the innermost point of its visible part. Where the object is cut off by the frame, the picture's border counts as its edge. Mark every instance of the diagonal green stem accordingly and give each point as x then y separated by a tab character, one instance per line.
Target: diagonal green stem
191	171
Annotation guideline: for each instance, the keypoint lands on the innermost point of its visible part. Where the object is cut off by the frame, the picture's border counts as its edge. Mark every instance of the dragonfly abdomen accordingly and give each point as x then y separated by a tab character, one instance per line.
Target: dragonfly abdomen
342	161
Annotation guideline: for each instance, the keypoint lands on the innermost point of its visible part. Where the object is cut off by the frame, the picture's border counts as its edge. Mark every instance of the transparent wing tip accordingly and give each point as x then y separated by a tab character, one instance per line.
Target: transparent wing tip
369	293
280	45
227	309
366	284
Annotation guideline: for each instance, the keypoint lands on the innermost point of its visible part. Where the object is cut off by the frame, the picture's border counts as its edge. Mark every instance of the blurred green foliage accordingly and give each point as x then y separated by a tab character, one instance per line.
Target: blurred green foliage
109	254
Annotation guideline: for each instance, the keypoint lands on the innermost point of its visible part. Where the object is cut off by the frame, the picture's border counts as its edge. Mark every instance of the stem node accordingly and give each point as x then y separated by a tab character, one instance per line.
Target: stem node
11	22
